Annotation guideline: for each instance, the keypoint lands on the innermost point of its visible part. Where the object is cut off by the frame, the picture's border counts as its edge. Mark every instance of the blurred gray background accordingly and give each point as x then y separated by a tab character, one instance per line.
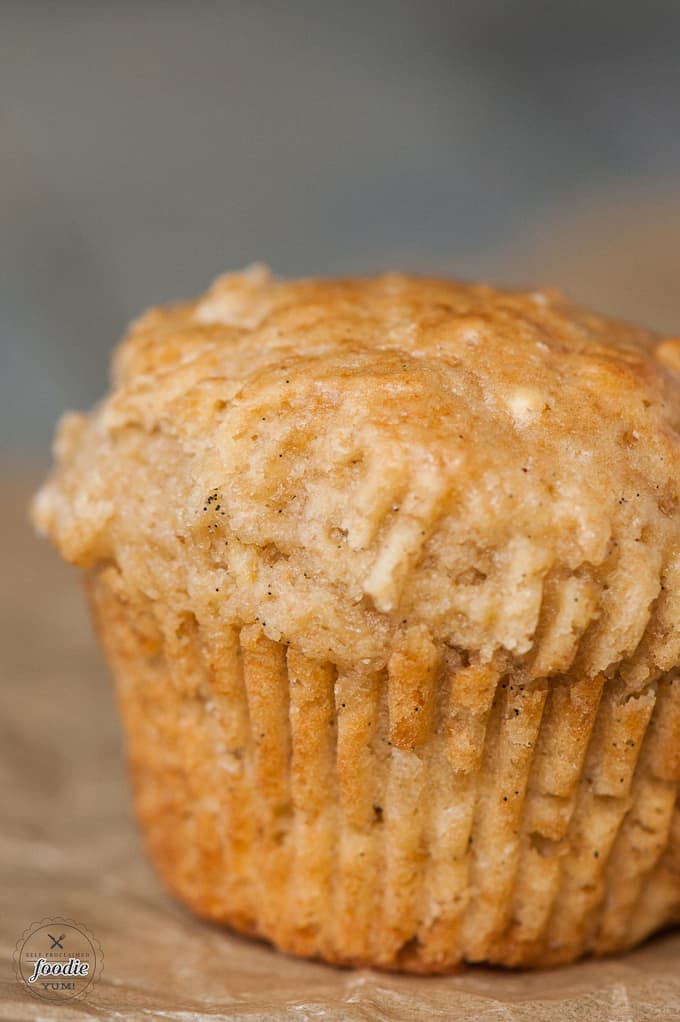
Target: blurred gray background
148	146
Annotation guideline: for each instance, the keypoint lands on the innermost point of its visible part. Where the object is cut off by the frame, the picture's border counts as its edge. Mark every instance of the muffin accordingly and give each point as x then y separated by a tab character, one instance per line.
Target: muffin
387	571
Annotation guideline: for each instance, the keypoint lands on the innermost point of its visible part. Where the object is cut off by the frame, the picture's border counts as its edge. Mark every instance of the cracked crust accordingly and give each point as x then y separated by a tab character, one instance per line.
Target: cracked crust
388	571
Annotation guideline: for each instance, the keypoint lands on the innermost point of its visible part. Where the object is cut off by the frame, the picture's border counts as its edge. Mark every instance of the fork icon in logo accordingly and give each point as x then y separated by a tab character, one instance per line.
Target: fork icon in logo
56	941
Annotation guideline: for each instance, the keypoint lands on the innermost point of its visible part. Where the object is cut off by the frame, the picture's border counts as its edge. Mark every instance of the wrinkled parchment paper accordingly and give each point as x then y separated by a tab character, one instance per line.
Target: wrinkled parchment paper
68	847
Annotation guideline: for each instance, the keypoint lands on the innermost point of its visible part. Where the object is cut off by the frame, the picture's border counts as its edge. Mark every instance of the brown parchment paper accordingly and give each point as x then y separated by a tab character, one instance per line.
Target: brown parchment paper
68	847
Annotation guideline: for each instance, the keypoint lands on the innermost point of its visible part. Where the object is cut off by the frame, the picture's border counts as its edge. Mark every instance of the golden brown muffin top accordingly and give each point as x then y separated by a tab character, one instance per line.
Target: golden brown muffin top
345	460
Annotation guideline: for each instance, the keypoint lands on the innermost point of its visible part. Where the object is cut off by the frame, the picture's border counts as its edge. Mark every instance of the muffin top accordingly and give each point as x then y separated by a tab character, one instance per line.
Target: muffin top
344	460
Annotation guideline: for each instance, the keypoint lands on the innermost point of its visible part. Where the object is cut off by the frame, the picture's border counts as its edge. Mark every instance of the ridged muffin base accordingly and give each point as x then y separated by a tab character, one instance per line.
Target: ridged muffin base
430	813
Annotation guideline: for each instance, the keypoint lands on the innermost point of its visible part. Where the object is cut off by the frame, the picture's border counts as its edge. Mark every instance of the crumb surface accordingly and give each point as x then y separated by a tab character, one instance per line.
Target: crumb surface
499	467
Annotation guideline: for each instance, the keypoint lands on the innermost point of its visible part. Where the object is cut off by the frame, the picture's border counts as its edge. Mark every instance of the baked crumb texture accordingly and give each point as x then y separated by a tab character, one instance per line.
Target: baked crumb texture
388	573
